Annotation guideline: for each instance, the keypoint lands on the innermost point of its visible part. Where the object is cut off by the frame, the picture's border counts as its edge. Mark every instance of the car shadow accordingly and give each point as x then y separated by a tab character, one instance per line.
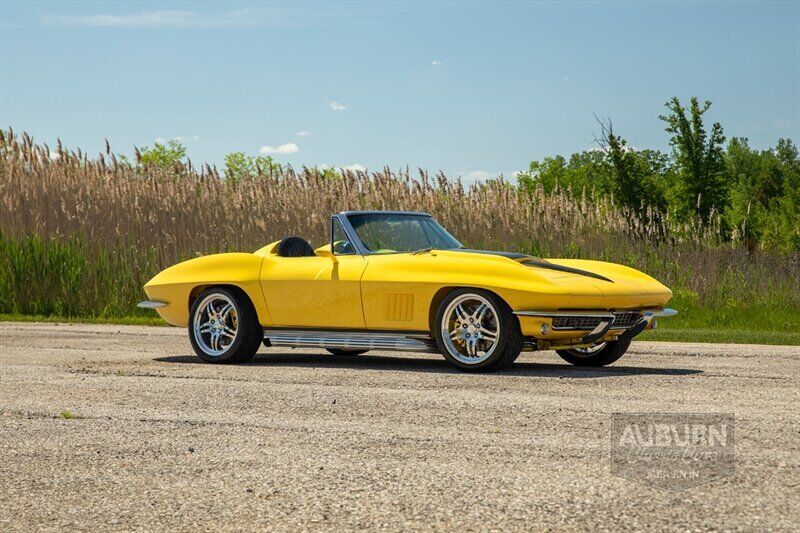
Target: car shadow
421	364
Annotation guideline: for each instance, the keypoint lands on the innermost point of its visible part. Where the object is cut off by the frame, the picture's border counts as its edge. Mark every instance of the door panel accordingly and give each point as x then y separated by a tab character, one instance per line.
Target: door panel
314	291
397	293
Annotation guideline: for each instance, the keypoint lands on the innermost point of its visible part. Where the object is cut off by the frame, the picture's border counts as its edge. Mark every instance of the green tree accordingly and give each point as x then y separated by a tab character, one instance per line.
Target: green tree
239	165
635	175
765	194
584	172
162	155
702	187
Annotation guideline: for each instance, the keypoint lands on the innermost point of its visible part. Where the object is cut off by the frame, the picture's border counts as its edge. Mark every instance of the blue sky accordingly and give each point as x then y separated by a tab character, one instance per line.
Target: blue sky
468	88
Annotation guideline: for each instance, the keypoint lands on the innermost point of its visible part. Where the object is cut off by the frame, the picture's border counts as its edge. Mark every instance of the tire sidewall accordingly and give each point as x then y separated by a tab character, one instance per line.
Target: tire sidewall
608	355
241	332
504	322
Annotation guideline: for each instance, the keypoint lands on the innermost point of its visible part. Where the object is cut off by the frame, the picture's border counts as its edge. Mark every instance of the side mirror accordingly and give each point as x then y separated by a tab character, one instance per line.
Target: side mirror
325	251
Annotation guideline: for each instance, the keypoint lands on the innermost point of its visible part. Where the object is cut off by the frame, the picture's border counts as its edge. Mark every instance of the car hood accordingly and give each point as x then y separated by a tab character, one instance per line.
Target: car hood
590	282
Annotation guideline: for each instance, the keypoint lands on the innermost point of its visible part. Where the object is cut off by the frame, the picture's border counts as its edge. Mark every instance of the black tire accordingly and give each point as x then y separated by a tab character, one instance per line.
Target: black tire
509	341
248	333
342	351
612	351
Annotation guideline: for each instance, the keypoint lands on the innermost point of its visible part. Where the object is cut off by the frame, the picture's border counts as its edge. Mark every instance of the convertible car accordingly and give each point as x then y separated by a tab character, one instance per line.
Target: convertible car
393	280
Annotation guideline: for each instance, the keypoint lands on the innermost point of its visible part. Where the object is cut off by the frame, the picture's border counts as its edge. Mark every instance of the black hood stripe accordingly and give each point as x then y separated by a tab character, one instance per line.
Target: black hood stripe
510	255
536	262
540	263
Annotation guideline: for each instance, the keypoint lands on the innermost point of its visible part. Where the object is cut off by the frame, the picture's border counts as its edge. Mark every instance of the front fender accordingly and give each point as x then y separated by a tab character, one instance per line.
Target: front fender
177	284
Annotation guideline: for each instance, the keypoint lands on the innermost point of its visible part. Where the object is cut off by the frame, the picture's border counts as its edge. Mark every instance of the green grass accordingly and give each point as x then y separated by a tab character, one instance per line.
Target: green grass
125	320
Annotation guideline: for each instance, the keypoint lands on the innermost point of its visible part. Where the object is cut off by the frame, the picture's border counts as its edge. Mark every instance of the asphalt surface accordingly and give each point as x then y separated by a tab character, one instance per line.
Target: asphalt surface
301	440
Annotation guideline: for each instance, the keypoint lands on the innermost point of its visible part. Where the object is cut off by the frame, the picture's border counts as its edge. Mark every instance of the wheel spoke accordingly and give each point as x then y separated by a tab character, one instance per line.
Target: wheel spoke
210	310
471	347
480	312
461	313
489	338
228	332
223	313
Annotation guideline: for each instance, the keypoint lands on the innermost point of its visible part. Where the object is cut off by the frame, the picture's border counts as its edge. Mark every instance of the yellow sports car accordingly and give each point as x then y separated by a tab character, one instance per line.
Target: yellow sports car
397	280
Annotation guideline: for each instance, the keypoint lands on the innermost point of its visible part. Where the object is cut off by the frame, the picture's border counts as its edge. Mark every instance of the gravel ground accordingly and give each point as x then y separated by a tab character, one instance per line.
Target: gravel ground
301	440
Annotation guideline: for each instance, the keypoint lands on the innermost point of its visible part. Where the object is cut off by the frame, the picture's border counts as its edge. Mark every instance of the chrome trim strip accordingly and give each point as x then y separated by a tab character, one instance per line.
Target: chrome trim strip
148	304
567	314
356	340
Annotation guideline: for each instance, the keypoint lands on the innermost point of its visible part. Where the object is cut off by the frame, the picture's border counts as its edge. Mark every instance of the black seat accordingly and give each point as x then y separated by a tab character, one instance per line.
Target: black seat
295	247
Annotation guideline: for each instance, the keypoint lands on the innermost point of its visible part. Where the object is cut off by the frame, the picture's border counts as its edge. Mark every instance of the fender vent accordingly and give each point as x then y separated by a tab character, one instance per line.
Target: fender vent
400	307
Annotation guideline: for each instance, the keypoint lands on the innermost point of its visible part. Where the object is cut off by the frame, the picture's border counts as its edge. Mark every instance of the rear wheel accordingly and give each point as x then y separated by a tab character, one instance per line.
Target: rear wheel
476	331
342	351
223	326
600	354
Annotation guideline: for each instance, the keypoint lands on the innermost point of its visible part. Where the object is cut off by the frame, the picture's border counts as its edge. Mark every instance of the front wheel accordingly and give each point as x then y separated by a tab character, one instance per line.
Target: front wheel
600	354
224	327
477	331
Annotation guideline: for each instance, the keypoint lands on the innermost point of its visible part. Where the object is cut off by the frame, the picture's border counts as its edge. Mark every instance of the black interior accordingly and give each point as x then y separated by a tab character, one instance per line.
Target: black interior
295	247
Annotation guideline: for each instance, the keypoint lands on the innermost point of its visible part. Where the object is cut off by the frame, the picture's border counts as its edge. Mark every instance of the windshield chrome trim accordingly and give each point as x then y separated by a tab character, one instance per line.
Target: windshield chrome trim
378	212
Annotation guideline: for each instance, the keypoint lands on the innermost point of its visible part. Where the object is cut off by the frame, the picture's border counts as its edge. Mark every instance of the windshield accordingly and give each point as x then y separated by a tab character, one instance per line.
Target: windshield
392	233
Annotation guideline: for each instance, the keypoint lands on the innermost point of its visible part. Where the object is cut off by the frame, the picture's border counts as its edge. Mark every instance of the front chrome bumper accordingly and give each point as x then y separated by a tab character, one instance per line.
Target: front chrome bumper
598	323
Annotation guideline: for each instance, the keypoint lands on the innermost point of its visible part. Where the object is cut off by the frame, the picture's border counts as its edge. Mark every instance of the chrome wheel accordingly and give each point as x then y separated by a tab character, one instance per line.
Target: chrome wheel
470	329
589	350
215	324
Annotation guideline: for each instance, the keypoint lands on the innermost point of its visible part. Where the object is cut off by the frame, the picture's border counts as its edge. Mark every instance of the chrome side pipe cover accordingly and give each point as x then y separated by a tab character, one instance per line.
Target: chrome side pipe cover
349	340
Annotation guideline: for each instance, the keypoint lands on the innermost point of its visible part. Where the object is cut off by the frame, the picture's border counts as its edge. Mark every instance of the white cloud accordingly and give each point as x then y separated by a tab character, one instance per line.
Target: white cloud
336	106
288	148
156	19
564	78
303	133
479	175
161	140
355	167
436	63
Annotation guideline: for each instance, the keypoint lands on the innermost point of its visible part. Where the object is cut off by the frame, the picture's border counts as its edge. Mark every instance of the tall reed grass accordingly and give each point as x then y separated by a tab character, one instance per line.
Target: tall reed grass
79	236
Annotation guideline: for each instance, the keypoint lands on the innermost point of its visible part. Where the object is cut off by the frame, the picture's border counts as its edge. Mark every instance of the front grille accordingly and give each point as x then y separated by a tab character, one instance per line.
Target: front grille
625	320
575	322
621	320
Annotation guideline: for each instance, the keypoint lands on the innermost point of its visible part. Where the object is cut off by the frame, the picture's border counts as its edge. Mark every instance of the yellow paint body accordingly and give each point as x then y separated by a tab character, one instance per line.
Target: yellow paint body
398	291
